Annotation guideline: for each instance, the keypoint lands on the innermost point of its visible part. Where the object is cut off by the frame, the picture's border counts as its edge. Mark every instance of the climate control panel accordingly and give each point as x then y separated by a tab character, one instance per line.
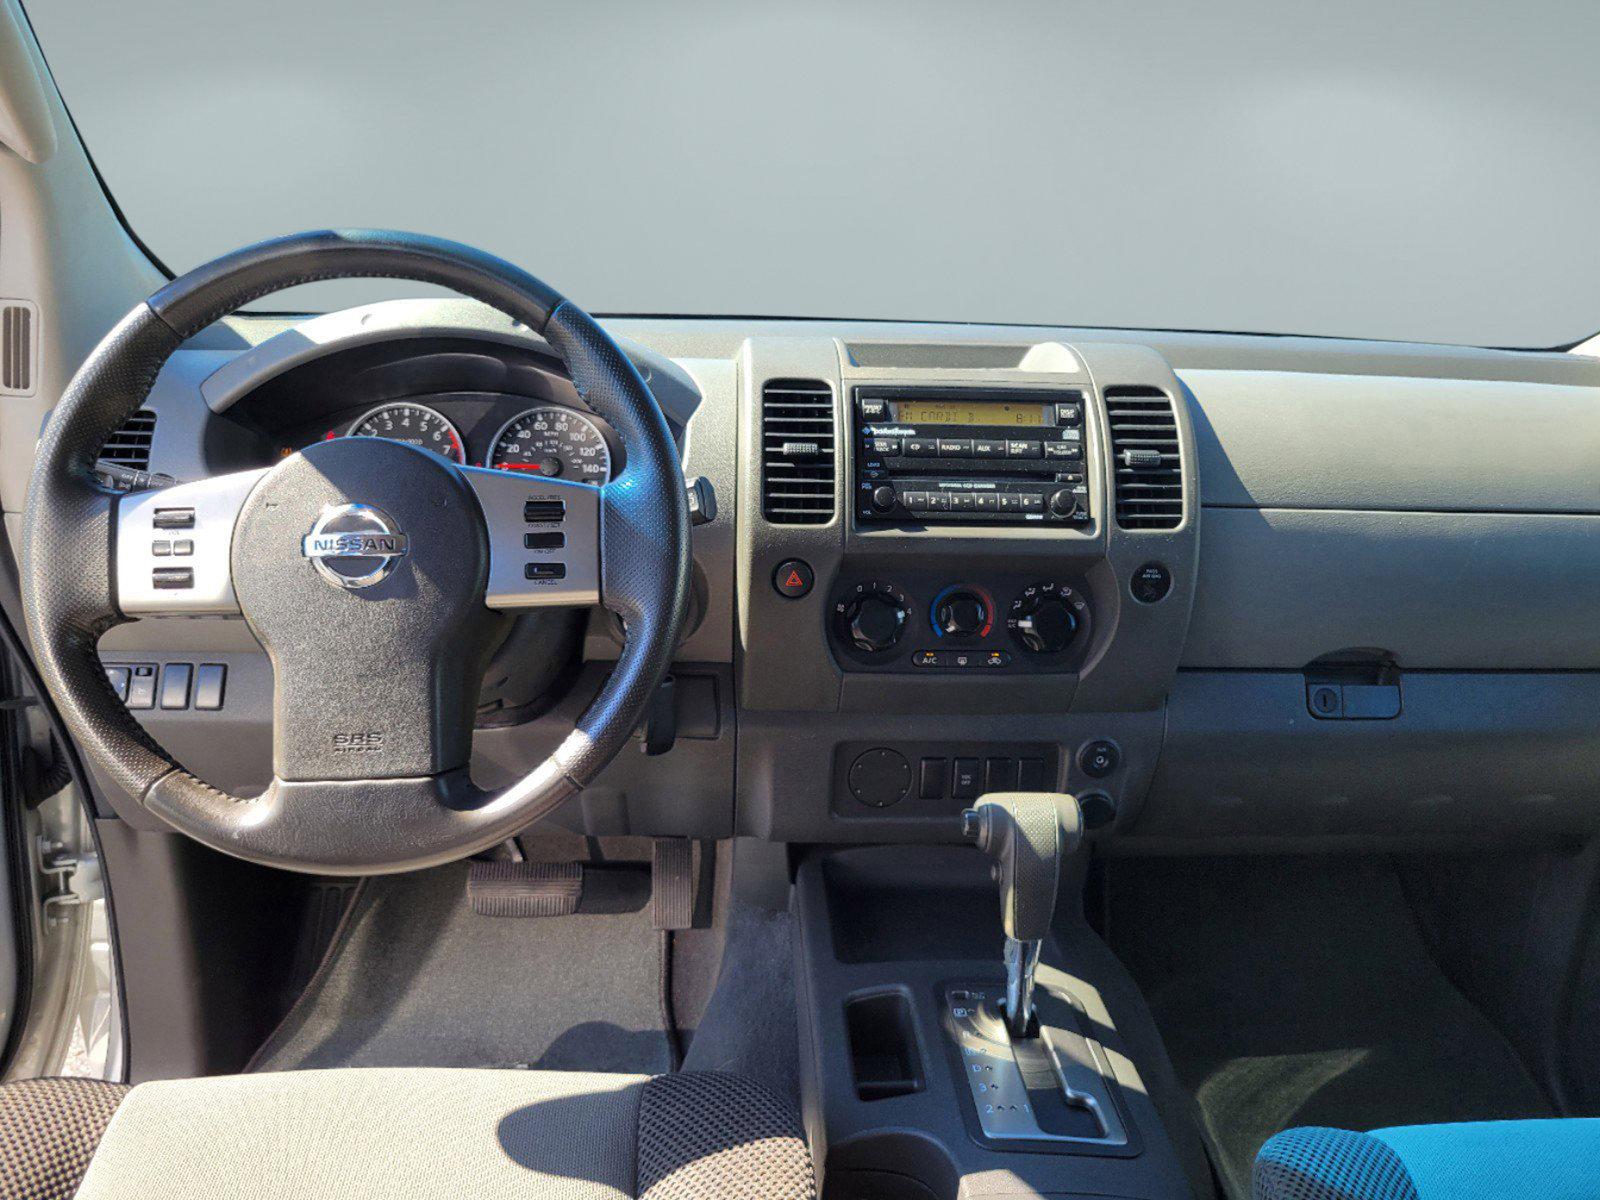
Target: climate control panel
999	623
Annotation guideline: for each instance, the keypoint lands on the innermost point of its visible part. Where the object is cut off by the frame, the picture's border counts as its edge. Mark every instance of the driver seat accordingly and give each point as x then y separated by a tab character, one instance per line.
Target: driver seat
414	1133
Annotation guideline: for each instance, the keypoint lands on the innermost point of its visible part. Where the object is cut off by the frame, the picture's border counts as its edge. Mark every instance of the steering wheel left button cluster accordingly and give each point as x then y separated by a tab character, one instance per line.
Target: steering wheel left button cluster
174	544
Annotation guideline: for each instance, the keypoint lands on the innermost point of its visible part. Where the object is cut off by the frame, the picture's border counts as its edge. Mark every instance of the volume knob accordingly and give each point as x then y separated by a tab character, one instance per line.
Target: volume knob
1063	503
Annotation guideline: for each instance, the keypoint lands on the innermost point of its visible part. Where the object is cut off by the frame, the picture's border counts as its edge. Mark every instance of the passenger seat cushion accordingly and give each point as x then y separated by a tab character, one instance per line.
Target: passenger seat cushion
1314	1163
711	1136
1505	1160
49	1129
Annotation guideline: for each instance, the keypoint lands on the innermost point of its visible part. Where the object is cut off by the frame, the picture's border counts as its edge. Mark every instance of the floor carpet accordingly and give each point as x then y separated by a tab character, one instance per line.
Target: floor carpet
1299	992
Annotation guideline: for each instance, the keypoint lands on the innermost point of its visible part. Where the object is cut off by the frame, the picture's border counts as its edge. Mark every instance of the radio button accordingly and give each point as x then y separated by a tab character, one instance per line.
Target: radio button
988	448
914	500
1032	501
1069	450
1068	414
886	445
1023	450
873	410
955	447
1008	502
939	501
921	448
963	502
985	502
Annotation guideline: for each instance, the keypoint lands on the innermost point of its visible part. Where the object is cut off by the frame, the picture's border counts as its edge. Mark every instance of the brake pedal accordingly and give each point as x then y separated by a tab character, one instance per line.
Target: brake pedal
524	889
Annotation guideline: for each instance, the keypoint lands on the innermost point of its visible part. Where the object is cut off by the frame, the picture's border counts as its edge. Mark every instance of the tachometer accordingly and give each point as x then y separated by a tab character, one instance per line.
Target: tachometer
554	442
414	424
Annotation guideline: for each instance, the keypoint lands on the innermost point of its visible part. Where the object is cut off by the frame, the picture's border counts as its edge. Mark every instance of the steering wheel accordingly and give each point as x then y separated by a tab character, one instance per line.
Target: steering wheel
378	576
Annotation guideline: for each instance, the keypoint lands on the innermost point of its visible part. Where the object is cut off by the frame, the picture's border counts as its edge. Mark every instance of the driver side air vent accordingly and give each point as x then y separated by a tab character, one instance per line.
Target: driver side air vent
797	452
129	446
1146	455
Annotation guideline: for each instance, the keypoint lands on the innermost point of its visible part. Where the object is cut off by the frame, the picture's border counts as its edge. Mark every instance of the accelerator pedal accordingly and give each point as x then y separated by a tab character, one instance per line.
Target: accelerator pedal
524	889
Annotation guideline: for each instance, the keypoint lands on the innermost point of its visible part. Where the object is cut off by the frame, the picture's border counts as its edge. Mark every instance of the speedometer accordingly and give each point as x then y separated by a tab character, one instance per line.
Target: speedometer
414	424
558	443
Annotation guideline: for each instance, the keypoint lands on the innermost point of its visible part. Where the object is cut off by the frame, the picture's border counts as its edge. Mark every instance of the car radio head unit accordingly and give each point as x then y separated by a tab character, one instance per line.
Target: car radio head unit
980	455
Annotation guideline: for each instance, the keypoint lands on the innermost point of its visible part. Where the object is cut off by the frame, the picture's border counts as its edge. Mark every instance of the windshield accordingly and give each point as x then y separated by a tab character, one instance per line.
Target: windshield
1354	170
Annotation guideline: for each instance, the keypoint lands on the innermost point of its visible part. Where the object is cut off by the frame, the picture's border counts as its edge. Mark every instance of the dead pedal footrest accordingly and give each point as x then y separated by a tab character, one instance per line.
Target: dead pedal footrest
522	889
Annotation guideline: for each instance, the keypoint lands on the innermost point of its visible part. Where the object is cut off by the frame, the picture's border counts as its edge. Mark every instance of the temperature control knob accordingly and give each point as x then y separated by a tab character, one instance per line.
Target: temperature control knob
961	614
874	622
1047	618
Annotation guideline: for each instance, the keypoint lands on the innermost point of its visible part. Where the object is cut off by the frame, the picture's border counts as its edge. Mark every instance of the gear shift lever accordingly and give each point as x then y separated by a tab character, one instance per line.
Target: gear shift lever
1027	834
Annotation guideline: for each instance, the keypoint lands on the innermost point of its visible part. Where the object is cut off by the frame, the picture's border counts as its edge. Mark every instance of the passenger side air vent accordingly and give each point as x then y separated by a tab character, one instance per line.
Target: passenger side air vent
129	446
797	452
16	348
1147	458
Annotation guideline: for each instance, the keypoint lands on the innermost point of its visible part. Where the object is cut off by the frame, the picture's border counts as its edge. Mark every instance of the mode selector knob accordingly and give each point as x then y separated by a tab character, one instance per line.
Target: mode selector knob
1046	624
875	622
1063	503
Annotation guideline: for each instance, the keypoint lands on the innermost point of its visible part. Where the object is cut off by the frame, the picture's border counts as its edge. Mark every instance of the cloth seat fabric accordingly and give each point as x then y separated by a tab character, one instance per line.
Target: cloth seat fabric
1507	1160
404	1134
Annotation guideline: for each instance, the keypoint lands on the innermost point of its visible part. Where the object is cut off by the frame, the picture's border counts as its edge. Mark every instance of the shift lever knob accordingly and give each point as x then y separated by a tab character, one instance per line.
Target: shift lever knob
1027	834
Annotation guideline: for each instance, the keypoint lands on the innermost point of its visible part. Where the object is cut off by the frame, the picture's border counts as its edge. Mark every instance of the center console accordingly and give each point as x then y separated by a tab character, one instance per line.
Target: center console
965	570
920	1085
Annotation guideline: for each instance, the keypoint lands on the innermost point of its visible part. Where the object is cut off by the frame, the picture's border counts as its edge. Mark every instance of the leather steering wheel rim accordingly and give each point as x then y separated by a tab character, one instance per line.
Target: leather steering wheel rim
75	585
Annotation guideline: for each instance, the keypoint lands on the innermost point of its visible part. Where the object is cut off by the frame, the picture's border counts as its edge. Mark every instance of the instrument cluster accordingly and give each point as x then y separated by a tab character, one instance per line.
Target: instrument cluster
507	433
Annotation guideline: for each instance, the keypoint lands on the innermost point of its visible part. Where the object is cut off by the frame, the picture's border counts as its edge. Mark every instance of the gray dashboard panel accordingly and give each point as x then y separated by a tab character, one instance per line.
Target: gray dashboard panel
1283	439
1474	758
1463	591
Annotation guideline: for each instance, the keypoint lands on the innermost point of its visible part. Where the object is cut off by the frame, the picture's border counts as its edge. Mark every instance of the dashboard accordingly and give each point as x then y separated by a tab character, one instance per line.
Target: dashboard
1232	592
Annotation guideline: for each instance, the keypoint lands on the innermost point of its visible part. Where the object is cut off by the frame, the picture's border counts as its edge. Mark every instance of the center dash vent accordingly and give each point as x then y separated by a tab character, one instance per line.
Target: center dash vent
129	446
1146	454
797	452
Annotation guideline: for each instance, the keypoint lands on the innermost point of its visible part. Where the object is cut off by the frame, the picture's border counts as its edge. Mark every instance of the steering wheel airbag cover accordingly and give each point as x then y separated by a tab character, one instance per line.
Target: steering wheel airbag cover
406	653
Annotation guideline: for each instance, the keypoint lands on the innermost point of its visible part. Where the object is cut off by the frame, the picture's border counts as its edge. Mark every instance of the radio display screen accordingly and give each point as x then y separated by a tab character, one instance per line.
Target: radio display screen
968	412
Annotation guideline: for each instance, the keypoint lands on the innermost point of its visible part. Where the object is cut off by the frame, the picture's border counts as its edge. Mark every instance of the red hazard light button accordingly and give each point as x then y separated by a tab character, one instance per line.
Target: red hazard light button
793	578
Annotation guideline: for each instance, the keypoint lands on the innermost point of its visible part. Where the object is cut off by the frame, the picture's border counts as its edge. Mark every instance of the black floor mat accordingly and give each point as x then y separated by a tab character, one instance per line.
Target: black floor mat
1298	992
417	978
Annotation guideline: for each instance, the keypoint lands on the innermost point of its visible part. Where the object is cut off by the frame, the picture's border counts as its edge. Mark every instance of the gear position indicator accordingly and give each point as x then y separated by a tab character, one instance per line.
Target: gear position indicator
1052	1087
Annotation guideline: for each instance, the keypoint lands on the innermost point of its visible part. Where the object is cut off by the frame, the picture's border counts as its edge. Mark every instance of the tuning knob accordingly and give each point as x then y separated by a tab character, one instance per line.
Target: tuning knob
961	614
874	622
1063	503
1045	624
